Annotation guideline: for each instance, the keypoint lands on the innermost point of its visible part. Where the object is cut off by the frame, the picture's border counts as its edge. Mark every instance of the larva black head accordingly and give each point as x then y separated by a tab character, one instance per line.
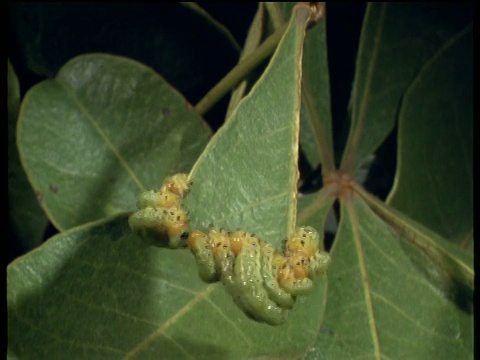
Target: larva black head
184	236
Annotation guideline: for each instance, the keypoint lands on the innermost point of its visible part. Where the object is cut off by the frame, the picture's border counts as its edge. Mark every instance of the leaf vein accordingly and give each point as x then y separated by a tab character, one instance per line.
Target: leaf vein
104	137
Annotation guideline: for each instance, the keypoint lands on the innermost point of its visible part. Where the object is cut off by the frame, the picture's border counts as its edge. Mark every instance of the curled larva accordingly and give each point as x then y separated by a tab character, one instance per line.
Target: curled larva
299	265
160	224
261	281
304	255
292	285
201	247
150	198
155	199
147	222
248	279
173	189
161	213
271	263
175	221
318	264
177	184
147	218
224	263
237	259
305	241
169	199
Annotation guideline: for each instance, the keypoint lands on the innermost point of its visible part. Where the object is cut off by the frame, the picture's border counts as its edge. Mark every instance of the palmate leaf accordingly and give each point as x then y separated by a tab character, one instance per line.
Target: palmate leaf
97	291
100	132
379	306
396	289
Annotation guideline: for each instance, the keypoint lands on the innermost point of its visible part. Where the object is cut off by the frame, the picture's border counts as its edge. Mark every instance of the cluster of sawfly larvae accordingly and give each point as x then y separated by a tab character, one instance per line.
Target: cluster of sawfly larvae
263	282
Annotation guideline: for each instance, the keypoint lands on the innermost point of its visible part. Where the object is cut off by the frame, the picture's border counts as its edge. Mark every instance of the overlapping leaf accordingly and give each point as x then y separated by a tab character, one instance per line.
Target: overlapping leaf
396	41
316	123
383	302
100	132
26	219
379	305
100	292
434	180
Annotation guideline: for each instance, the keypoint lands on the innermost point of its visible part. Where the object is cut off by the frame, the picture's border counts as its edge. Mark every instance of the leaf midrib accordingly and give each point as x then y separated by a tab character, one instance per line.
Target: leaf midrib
351	209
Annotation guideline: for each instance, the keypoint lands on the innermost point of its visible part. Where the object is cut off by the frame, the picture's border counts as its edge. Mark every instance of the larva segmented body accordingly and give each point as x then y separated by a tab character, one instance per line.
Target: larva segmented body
161	213
271	262
262	282
200	245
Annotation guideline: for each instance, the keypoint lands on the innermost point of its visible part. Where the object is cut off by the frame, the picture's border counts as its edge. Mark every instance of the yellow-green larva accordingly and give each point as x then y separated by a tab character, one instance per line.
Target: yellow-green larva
221	248
178	184
147	220
305	244
161	223
305	240
200	245
263	282
161	213
293	285
248	277
318	264
155	198
271	263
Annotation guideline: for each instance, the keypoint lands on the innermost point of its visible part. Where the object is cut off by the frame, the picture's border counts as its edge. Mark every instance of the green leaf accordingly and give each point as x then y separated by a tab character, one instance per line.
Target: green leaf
100	132
27	222
98	292
247	176
313	209
316	123
378	305
316	131
397	39
453	265
434	179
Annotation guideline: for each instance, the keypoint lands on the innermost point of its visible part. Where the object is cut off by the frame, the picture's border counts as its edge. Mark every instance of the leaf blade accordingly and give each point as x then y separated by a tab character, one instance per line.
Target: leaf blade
262	141
398	314
439	194
81	143
396	41
27	222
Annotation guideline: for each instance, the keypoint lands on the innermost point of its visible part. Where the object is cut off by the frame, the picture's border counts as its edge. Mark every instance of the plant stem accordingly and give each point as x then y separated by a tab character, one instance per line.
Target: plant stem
239	72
